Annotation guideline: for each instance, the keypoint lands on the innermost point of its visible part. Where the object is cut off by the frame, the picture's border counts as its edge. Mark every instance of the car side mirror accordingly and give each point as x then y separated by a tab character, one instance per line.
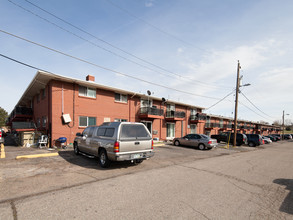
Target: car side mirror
84	136
79	134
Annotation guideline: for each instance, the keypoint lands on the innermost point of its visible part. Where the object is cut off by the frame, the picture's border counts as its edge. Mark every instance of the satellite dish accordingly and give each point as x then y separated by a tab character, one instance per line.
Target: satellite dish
149	92
163	99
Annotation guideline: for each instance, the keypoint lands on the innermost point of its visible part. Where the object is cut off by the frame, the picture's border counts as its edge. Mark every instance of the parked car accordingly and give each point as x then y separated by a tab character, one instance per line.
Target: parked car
115	141
196	140
254	140
277	136
228	137
2	135
274	139
266	140
287	136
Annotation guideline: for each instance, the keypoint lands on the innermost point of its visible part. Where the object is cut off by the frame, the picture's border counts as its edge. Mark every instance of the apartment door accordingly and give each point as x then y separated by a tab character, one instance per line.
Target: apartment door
193	129
170	130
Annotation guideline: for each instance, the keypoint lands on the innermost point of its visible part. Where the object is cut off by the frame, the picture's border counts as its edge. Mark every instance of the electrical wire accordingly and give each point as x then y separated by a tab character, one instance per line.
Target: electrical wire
220	100
155	27
254	111
255	105
115	47
33	67
105	68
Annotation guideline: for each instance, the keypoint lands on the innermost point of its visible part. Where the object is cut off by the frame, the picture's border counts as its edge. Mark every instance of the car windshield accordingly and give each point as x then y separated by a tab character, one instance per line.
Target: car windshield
204	136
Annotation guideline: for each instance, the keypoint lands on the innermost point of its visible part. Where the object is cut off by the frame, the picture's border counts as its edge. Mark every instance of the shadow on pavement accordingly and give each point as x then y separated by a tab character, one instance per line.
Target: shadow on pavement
287	205
91	163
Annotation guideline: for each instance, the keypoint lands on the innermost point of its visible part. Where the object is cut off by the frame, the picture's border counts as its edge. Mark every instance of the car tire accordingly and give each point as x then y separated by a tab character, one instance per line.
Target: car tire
75	148
251	144
176	143
201	147
103	159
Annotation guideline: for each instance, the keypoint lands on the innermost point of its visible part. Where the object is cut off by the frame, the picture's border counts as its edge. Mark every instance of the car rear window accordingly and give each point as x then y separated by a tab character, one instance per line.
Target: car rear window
105	132
134	131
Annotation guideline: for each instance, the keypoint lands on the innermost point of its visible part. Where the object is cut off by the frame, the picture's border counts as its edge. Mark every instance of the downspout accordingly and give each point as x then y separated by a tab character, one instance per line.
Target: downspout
62	100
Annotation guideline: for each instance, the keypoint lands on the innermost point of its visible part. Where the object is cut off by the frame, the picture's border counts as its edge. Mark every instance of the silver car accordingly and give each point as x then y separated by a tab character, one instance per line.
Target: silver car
196	140
115	141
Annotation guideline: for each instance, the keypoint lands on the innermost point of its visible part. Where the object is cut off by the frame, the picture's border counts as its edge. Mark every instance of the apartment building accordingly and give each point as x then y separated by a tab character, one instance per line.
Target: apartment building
60	106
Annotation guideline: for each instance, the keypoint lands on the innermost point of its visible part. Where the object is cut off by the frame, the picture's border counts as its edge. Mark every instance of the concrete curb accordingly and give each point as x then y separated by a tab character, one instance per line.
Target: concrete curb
37	156
2	152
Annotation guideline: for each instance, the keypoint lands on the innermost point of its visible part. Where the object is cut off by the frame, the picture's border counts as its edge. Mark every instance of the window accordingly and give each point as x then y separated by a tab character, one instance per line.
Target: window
85	121
193	111
120	120
134	132
120	98
87	92
44	121
43	93
38	98
170	130
221	123
146	103
38	122
106	132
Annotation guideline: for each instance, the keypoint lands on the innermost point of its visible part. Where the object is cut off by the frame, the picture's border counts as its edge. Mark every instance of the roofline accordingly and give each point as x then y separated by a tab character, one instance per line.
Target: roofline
54	76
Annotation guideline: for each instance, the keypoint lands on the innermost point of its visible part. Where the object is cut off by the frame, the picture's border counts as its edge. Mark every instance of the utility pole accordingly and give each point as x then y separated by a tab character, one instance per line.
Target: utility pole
236	105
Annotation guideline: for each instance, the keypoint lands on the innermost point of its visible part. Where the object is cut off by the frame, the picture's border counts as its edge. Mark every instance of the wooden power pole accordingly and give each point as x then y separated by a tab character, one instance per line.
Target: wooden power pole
236	105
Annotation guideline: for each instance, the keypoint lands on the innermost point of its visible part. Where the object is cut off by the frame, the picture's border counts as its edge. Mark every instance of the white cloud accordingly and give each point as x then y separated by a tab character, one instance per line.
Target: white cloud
149	3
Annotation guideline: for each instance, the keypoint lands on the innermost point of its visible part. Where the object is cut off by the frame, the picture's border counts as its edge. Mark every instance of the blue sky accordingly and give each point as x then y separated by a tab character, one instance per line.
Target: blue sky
186	45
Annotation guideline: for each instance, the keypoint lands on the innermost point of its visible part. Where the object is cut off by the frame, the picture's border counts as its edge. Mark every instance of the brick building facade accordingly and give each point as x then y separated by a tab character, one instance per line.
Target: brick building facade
61	106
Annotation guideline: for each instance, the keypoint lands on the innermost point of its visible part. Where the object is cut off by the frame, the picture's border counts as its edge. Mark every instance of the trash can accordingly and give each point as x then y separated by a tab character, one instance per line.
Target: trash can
62	141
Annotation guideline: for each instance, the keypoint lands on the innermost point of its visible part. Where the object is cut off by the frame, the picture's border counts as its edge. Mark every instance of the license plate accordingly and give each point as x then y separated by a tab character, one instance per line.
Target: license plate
135	156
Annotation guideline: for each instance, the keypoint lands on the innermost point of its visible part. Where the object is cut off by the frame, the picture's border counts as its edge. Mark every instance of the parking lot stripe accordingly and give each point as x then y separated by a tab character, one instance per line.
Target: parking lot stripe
2	153
37	155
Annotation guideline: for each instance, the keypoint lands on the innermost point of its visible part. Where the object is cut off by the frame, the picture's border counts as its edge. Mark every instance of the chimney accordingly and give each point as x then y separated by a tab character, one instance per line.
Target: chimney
90	78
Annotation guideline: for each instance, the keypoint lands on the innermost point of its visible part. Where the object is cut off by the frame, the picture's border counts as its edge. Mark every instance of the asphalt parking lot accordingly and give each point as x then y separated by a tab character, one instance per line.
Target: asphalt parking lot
26	175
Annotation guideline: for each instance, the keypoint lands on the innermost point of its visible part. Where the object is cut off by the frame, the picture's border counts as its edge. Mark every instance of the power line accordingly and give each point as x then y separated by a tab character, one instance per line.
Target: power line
113	46
22	63
219	101
105	68
254	111
255	106
155	27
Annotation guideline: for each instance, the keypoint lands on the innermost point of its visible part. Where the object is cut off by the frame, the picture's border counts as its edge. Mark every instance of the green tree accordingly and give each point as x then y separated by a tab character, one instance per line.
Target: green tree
3	116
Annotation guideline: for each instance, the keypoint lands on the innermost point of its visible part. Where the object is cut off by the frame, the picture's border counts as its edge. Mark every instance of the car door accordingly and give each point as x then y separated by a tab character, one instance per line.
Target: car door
196	140
85	142
82	140
186	140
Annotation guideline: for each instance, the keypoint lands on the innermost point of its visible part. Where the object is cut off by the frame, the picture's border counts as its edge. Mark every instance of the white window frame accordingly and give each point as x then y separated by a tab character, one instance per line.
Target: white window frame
87	92
120	120
121	98
87	121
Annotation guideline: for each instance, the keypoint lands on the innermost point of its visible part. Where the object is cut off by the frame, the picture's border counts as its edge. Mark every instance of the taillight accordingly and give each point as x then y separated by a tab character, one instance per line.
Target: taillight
0	134
210	142
152	144
116	147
